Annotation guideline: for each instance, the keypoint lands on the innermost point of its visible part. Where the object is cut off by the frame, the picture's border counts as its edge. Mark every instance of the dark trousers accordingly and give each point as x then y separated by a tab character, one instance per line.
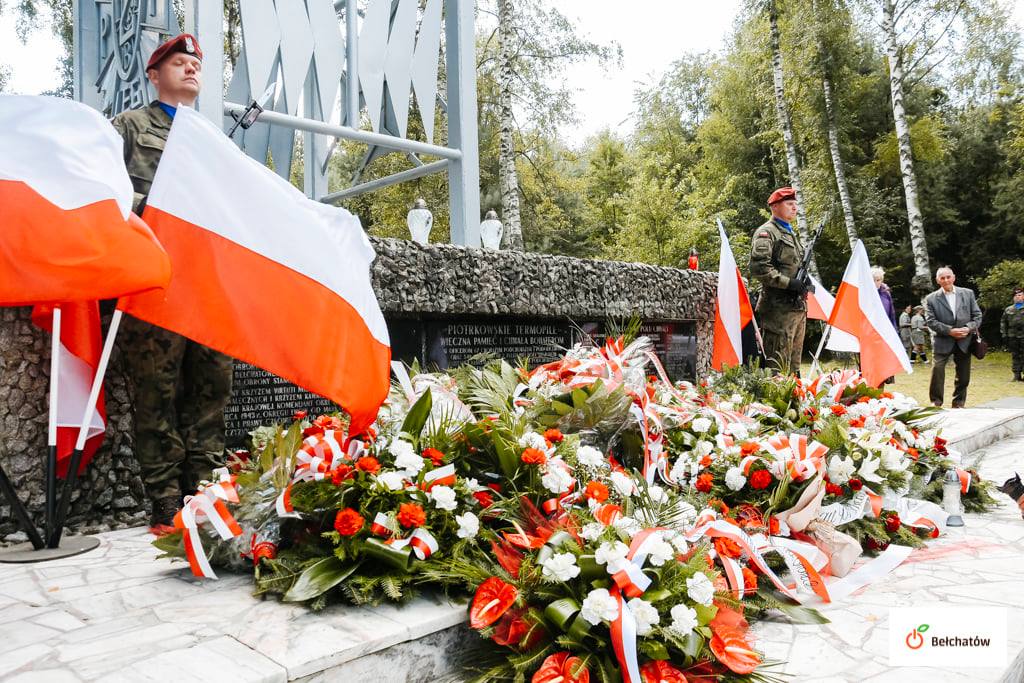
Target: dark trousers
962	361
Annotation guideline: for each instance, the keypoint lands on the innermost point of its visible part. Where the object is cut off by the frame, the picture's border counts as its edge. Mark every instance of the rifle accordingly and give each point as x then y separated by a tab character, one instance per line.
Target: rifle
802	274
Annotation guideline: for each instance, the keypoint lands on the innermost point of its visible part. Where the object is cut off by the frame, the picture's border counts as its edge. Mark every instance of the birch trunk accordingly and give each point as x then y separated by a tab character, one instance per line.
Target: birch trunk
918	242
782	109
837	159
507	177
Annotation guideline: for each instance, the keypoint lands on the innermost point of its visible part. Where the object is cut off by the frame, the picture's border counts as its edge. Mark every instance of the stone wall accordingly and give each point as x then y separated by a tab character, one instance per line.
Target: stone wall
409	280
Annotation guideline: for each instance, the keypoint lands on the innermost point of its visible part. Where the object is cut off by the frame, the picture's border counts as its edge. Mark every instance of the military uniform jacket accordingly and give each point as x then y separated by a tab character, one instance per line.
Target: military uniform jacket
145	133
775	255
1011	326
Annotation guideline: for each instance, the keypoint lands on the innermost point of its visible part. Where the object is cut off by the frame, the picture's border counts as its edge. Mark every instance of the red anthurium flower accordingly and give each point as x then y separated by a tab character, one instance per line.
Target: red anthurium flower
493	598
704	483
562	667
524	540
731	648
348	522
435	456
596	491
658	671
507	556
485	498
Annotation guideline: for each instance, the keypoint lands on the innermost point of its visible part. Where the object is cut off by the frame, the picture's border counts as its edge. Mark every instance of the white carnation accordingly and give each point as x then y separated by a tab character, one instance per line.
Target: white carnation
443	497
645	615
661	552
680	469
560	567
657	494
469	525
394	481
701	425
588	456
612	555
684	619
738	430
406	458
533	440
623	483
703	448
599	606
592	531
556	477
628	526
734	479
700	589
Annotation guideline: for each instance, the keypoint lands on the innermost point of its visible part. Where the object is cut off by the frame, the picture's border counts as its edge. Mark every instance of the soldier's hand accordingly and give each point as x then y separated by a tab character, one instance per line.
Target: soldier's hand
798	286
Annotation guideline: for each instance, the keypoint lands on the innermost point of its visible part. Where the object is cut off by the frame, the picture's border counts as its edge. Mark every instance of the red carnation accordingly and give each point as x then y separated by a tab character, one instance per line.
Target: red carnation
705	461
749	580
596	491
411	515
858	421
761	479
553	435
704	483
749	448
348	522
726	547
533	456
892	523
435	456
856	484
833	489
839	409
485	498
368	464
341	474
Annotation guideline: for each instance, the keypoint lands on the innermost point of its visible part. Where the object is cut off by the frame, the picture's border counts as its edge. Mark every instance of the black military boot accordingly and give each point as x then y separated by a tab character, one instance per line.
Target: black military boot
164	510
1016	377
1014	488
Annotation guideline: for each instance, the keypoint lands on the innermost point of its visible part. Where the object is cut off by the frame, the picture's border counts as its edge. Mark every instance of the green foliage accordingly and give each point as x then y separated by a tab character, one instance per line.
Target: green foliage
998	284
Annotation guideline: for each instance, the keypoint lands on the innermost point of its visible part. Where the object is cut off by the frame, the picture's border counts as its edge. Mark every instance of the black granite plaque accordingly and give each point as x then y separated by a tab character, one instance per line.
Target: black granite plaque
260	398
675	344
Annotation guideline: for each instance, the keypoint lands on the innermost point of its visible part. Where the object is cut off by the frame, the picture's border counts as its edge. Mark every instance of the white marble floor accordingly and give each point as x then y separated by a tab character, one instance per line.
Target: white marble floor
117	614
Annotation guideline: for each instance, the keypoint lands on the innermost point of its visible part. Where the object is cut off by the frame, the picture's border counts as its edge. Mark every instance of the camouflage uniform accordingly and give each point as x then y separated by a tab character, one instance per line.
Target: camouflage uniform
775	255
181	387
1012	328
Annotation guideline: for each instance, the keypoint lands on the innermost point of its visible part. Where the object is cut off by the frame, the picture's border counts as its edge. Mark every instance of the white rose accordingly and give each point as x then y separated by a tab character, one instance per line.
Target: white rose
469	525
406	458
734	479
599	606
443	497
840	469
588	456
661	552
701	425
556	477
394	481
700	589
560	567
684	619
592	531
612	555
645	615
623	483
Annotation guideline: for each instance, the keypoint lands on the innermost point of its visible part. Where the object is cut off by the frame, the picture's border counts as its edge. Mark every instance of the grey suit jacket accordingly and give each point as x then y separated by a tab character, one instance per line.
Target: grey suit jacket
940	320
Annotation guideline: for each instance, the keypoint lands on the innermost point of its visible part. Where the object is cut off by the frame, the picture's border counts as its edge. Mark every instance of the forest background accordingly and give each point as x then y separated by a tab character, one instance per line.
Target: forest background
802	91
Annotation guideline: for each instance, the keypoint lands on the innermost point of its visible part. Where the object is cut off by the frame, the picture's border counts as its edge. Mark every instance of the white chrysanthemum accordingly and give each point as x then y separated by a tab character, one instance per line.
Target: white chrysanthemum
840	469
734	479
556	477
598	606
533	440
661	552
644	614
443	497
623	483
612	555
701	425
469	525
700	589
406	458
394	481
592	531
628	526
684	619
588	456
560	567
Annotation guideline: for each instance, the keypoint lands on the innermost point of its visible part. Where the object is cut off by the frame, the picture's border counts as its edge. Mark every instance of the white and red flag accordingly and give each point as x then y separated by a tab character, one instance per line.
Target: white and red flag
732	309
263	273
79	357
819	307
858	310
66	228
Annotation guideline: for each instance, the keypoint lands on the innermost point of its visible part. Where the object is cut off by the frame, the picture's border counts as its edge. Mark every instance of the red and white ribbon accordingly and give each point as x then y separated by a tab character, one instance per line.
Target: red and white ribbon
382	526
623	632
421	541
208	505
803	459
439	476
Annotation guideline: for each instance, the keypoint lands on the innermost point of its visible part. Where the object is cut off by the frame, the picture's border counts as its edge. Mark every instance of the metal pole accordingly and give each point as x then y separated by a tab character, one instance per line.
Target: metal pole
410	174
51	432
464	176
19	511
352	63
349	133
205	18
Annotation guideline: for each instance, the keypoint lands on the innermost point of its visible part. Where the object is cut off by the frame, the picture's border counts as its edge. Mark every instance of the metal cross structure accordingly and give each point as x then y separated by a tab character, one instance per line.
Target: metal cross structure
327	62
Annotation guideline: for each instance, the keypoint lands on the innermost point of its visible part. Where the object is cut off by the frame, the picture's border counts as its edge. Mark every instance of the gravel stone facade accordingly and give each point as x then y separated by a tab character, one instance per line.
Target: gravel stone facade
409	279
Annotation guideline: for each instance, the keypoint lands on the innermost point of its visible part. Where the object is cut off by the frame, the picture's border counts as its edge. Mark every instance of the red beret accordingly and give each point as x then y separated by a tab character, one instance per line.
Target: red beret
186	43
781	195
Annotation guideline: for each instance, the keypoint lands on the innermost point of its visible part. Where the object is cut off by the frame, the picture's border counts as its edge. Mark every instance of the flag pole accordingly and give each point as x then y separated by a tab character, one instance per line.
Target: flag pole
51	442
83	431
821	345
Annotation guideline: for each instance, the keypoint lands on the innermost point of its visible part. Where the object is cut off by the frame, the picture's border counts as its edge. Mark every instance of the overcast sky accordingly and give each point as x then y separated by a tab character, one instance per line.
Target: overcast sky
652	33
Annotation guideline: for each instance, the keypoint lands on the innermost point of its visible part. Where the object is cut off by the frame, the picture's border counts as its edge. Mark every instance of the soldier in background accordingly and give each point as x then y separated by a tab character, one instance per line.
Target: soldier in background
181	387
775	255
919	336
1012	328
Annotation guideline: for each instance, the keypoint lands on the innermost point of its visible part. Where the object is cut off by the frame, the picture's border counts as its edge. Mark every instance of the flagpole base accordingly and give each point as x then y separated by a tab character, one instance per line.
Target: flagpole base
23	553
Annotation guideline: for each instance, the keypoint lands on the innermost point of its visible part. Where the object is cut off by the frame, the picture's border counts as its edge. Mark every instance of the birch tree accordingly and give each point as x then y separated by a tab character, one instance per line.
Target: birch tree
507	179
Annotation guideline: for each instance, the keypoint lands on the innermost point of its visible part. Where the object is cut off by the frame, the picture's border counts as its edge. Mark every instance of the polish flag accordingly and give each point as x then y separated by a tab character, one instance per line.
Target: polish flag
732	309
819	307
858	310
79	357
263	273
66	228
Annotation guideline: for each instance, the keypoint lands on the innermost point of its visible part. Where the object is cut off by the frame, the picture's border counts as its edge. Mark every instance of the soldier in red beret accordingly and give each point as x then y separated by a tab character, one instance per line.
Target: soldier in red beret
775	255
180	387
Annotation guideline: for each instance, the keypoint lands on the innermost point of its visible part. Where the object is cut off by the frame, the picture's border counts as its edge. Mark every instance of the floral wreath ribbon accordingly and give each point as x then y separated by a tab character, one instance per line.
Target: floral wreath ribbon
208	505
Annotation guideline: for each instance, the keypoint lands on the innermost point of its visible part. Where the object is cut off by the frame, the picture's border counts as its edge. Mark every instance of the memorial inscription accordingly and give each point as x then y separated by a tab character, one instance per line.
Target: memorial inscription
259	398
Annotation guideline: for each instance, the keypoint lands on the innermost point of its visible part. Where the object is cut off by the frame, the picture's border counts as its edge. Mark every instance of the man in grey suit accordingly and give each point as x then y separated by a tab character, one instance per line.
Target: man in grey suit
953	316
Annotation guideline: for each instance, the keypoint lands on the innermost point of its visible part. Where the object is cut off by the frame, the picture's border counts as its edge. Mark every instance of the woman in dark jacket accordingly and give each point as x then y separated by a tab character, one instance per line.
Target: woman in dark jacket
885	294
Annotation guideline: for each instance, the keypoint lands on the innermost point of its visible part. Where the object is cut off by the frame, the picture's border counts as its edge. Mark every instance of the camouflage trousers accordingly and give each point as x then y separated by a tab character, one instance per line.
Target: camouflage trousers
1016	348
782	331
180	391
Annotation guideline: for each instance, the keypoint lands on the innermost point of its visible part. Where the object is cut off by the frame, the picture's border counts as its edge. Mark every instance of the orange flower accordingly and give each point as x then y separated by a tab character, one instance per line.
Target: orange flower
773	526
749	448
553	436
731	648
858	421
760	479
596	491
411	515
749	580
533	456
435	456
863	399
485	498
705	461
561	667
348	522
705	482
726	547
340	474
838	409
368	464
